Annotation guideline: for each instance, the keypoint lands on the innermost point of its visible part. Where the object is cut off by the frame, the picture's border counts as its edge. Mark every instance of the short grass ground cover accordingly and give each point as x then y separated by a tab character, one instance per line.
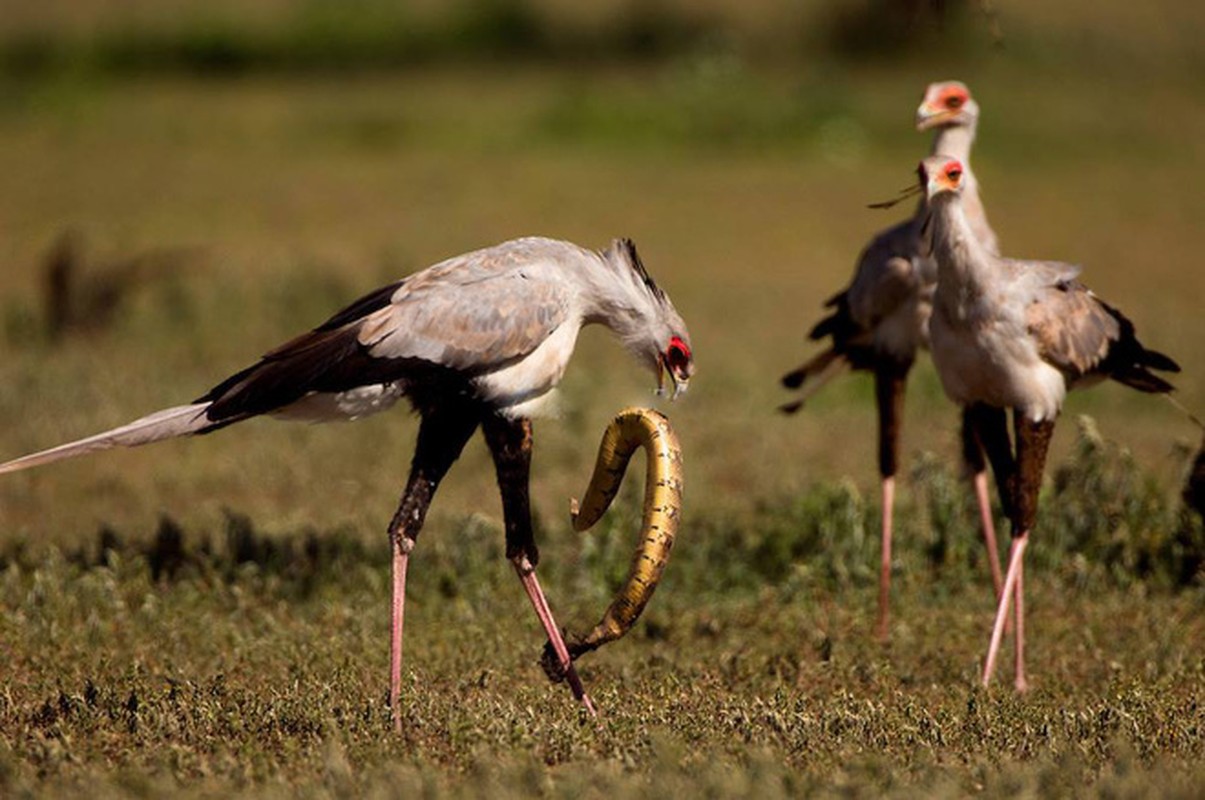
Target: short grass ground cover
232	660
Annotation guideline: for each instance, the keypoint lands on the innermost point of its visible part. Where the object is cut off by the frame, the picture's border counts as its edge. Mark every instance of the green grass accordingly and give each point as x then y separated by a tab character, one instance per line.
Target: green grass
245	662
210	616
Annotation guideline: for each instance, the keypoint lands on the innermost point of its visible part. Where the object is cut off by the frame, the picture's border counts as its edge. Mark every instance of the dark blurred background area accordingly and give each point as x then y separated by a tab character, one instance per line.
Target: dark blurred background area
325	35
224	37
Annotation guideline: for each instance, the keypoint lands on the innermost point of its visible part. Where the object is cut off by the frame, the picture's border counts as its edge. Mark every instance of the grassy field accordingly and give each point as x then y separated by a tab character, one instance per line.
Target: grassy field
211	615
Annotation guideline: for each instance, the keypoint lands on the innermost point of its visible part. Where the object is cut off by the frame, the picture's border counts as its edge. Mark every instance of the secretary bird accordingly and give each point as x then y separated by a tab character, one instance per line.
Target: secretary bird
881	320
479	340
1018	334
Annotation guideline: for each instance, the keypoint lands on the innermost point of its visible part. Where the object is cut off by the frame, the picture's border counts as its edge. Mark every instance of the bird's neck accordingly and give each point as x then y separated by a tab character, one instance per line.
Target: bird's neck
612	295
954	141
964	264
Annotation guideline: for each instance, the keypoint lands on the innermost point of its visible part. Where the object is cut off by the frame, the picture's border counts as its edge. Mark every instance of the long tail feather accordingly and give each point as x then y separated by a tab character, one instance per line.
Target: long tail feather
1193	418
796	377
813	375
166	424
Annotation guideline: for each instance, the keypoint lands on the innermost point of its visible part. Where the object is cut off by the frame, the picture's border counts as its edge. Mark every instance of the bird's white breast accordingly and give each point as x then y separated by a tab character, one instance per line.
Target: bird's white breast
990	358
522	388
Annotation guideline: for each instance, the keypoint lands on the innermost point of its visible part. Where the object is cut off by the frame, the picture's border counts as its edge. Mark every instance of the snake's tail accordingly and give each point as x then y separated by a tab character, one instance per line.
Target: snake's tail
631	429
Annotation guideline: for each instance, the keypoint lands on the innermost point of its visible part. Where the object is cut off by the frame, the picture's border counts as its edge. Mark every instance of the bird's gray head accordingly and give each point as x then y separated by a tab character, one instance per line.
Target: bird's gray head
940	176
946	103
650	326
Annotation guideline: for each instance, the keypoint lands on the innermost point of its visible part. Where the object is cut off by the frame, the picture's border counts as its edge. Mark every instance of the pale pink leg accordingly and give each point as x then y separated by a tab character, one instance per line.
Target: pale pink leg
401	558
1021	684
989	537
527	574
989	528
885	567
1010	583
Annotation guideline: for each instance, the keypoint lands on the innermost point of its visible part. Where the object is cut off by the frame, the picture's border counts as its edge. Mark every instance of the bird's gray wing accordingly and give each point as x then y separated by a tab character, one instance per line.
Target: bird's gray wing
887	276
471	314
475	324
1074	330
1035	273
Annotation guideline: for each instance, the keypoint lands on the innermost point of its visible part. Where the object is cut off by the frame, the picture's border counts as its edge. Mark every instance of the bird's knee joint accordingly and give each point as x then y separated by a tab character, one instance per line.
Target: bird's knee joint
524	564
403	542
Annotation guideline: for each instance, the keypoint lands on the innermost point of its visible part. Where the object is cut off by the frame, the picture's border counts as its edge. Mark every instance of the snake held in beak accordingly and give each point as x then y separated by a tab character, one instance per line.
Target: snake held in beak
632	428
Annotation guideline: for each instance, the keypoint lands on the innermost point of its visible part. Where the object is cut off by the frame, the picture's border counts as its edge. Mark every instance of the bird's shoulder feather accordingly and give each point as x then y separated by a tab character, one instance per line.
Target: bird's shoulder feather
1074	330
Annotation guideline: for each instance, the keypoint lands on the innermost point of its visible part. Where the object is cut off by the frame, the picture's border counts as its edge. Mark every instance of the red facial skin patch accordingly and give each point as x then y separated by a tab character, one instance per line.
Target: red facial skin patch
954	99
677	354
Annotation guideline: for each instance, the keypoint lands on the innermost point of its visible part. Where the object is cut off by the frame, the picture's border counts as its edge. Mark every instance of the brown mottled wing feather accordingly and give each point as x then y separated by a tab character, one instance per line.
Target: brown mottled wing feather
1080	334
1074	330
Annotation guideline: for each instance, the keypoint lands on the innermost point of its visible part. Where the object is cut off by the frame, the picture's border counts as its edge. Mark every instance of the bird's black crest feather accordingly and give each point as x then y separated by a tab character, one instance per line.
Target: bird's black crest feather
629	247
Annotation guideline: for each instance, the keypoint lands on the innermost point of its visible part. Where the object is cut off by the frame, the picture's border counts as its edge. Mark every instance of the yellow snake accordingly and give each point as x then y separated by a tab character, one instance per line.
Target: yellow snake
632	428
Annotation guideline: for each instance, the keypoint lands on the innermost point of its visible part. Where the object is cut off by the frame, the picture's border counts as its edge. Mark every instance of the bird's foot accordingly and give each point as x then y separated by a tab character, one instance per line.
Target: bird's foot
551	663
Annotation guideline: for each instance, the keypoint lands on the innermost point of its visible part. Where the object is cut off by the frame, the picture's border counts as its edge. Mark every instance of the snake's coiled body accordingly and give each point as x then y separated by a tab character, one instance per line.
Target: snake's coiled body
632	428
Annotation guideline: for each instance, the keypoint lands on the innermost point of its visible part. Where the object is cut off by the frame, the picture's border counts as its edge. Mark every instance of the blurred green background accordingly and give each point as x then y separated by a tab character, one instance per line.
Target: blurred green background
300	153
224	174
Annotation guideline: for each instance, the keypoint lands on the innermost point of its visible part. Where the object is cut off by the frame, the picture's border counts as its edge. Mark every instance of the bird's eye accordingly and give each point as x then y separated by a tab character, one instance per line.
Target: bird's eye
953	173
955	101
677	355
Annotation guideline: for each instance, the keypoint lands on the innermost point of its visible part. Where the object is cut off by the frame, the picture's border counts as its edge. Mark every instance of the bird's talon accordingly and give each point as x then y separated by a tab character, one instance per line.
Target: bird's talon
551	664
575	646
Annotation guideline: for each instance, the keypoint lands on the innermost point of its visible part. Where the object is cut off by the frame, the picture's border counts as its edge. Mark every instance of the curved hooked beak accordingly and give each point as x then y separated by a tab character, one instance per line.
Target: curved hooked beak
680	379
928	116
